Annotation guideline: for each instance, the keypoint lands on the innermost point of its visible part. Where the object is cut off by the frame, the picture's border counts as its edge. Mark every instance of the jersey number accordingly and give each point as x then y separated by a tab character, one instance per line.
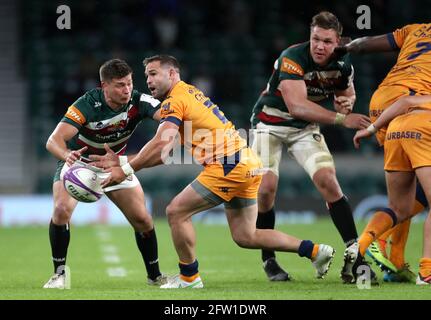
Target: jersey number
426	47
216	111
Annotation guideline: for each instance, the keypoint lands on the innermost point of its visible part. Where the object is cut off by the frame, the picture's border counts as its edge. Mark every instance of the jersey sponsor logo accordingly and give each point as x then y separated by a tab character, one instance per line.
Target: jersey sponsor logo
75	115
291	67
404	135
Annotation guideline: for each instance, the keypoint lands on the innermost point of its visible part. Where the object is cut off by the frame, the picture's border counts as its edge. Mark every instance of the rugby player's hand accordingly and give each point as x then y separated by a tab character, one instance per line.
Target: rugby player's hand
360	134
73	155
343	104
356	121
108	160
116	176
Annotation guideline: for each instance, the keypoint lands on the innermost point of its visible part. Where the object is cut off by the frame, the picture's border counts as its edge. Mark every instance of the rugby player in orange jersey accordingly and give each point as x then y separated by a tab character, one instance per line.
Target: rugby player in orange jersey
411	75
231	174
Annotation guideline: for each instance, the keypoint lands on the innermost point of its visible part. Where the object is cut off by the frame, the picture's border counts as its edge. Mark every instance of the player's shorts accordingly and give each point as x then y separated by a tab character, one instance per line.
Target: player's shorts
408	142
232	180
307	146
130	182
382	98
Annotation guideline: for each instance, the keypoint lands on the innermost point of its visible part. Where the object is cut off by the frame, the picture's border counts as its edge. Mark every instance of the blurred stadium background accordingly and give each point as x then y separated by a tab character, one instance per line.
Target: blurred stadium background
226	47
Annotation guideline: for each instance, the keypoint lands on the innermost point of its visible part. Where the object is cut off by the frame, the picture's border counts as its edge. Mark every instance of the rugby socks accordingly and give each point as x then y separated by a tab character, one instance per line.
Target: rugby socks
59	237
399	234
266	220
342	217
425	267
189	272
147	244
308	249
381	221
398	243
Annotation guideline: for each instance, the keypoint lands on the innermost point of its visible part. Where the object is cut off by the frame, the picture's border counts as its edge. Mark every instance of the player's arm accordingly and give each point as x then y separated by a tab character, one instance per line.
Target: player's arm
152	154
56	143
399	107
294	93
379	43
157	115
344	100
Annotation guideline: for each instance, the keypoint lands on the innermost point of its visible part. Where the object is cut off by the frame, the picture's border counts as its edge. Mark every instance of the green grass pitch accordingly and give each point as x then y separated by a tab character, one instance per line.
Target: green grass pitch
228	271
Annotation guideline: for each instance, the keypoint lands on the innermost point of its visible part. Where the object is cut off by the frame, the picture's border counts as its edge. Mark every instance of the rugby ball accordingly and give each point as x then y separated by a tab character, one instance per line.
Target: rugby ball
82	184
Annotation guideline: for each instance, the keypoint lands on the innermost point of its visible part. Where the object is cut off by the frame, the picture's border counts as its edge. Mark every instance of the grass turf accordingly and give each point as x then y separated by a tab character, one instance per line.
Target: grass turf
228	271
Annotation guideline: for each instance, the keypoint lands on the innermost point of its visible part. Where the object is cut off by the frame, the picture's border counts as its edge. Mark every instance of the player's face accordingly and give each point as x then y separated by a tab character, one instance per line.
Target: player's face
322	44
159	79
119	90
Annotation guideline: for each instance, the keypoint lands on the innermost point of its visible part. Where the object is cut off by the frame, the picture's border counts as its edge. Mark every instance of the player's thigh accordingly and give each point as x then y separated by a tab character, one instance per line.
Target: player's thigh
309	149
268	147
131	202
189	201
401	187
64	204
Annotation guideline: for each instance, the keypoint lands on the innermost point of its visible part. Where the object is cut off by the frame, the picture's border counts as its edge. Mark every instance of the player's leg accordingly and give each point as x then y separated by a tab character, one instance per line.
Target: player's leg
269	148
424	275
311	152
241	216
131	202
193	199
401	191
59	233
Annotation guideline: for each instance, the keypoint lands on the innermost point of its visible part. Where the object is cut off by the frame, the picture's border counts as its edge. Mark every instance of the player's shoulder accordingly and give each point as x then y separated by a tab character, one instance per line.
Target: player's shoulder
90	99
297	50
143	98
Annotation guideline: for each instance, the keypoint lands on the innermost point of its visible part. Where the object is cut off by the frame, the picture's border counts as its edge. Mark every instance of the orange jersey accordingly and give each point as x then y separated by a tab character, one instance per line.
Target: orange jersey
413	67
204	129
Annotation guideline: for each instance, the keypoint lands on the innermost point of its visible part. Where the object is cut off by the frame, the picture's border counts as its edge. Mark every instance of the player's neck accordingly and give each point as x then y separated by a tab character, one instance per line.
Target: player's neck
174	83
111	104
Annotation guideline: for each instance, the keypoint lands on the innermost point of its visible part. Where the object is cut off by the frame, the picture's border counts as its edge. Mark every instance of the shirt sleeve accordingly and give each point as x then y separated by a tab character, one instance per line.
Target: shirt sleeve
397	37
172	110
76	113
347	75
148	105
290	68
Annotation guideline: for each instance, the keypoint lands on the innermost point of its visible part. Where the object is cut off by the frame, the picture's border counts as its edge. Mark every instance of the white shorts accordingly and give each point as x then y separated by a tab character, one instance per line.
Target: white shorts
130	182
306	145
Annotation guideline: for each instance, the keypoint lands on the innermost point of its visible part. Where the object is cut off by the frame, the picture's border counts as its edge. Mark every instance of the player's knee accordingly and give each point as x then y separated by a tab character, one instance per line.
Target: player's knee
143	222
243	239
326	181
62	213
172	213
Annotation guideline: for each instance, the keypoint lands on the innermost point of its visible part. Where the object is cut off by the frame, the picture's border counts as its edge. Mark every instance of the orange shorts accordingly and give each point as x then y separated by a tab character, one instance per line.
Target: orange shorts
382	98
408	142
238	177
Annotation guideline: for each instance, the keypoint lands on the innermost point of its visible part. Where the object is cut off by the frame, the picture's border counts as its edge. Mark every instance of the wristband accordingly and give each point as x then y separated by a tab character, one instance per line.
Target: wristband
339	118
372	129
123	160
127	169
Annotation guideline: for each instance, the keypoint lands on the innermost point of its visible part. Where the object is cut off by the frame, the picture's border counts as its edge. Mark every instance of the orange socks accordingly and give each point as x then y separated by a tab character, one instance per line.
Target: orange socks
379	223
314	252
425	267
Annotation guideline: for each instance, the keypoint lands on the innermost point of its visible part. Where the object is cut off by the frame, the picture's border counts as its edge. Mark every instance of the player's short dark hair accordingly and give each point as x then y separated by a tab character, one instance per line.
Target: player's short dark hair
327	20
164	60
114	69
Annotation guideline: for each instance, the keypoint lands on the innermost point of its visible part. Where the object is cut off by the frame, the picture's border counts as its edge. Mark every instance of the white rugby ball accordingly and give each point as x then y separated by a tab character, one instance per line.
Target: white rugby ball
82	184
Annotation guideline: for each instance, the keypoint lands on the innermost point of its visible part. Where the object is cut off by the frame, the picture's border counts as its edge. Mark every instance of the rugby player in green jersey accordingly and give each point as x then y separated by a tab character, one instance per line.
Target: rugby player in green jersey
305	77
100	120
